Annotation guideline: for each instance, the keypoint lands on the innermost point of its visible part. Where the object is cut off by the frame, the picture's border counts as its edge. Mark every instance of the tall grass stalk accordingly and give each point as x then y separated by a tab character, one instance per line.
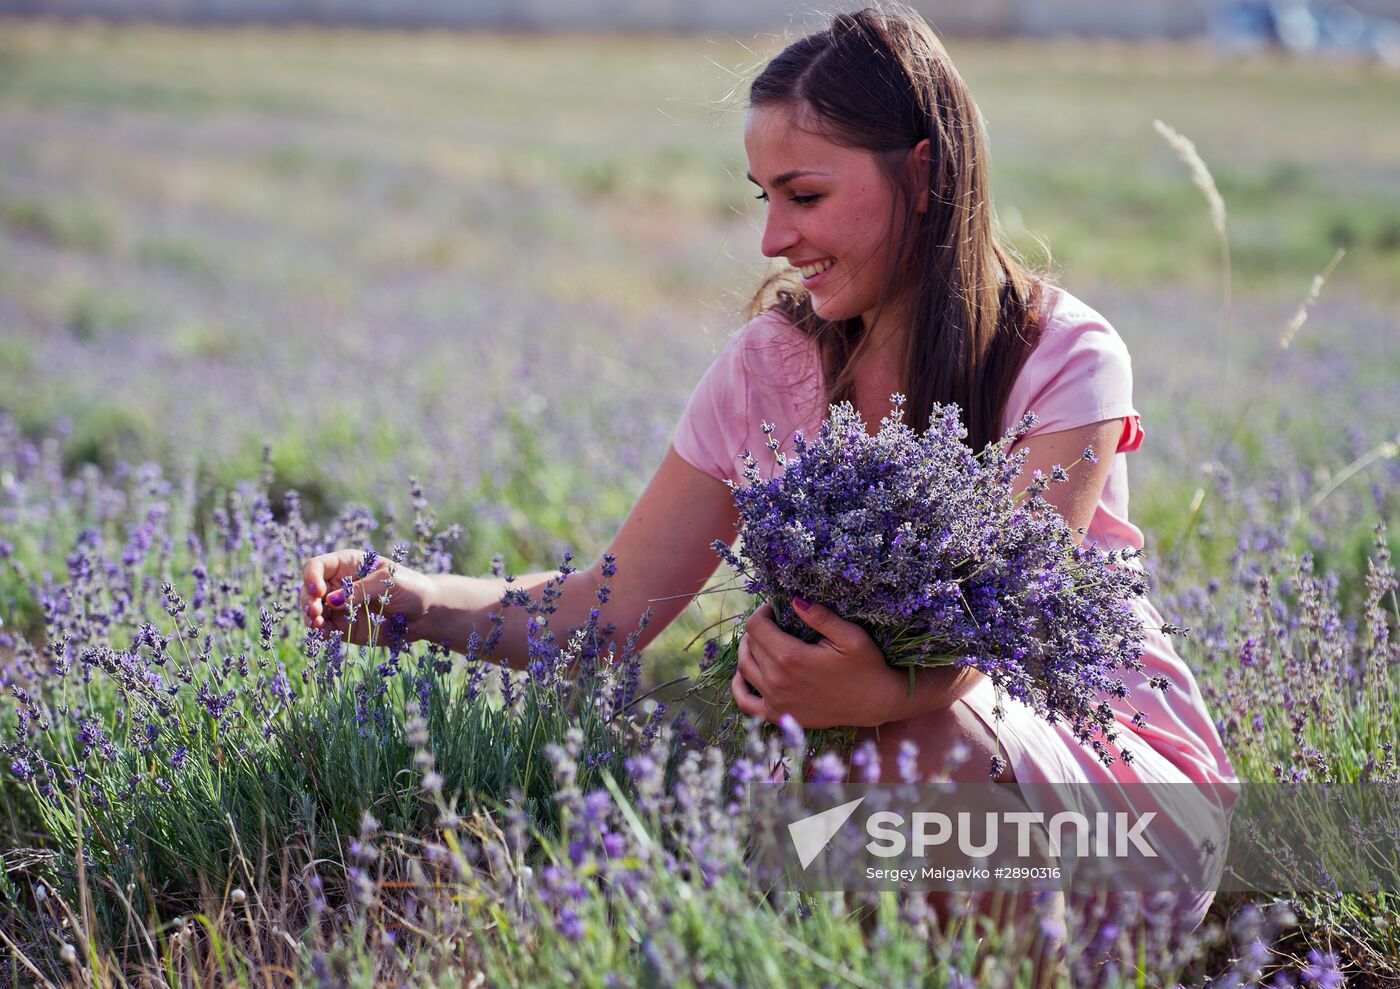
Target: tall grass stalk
1185	150
1200	175
1387	449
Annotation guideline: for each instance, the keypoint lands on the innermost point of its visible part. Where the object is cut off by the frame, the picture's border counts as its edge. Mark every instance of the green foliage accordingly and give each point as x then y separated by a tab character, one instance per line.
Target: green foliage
16	357
72	223
179	254
103	434
92	315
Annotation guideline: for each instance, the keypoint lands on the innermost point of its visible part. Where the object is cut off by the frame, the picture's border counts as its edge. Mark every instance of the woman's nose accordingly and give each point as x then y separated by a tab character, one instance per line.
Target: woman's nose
778	234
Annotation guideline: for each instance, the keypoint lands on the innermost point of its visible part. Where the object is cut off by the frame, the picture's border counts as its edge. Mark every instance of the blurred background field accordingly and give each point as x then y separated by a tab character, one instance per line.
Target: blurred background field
501	262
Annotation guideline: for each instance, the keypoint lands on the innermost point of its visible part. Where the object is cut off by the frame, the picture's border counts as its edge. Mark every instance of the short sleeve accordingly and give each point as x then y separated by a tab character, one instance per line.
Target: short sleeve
711	429
1079	373
768	372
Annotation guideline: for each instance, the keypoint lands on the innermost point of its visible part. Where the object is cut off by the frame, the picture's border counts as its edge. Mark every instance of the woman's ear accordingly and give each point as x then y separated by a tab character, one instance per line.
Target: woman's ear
920	166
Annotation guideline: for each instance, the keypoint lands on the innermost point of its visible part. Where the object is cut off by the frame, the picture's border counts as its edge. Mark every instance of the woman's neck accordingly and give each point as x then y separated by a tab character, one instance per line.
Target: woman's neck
886	330
882	353
878	374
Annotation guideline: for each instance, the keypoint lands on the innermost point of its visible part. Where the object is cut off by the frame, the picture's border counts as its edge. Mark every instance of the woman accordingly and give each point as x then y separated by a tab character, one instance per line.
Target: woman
868	150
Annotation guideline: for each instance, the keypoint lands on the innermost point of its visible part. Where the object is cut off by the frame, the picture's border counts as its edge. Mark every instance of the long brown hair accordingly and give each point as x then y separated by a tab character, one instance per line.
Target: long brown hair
880	79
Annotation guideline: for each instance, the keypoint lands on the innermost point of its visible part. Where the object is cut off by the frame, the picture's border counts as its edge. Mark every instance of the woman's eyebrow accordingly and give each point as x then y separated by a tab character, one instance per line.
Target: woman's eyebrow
786	177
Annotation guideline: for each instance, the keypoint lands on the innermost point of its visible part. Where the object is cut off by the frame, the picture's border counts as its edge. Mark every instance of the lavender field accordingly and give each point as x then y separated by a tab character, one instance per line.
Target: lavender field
253	282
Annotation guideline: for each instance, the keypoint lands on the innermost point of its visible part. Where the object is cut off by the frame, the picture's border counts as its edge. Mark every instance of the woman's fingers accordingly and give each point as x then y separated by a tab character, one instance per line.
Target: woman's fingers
365	600
762	629
358	597
751	667
355	633
744	698
322	577
321	572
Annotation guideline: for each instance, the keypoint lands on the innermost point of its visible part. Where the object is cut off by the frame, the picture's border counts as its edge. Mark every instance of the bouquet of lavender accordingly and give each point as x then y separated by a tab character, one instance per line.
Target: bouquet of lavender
926	545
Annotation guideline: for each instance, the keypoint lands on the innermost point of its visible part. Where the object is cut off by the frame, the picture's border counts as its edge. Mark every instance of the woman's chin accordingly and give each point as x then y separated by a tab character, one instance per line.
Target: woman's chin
830	308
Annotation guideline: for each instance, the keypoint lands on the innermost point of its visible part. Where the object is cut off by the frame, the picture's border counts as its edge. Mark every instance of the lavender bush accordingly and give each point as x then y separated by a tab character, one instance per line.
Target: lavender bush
1304	674
169	709
362	813
928	546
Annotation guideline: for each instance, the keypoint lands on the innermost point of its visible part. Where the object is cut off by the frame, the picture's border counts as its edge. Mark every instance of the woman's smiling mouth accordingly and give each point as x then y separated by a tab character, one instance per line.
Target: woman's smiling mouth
814	268
814	273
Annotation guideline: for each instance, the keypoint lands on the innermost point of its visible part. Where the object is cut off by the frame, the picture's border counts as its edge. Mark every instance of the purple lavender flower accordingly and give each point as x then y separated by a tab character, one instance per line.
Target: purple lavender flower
93	737
793	735
214	703
570	925
396	634
827	768
614	846
928	547
1322	971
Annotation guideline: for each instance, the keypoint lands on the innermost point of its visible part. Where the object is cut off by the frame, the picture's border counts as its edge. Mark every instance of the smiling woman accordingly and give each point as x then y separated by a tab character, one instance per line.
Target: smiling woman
867	146
845	203
882	147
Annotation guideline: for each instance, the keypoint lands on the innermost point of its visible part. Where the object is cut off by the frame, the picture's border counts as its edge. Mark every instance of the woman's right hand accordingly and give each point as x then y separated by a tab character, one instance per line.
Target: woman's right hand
325	606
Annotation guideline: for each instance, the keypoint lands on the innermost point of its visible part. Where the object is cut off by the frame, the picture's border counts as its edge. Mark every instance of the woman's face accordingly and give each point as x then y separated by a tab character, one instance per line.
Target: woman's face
830	212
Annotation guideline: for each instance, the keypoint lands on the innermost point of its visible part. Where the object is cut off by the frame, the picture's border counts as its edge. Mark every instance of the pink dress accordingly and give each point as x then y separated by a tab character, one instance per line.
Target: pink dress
1079	373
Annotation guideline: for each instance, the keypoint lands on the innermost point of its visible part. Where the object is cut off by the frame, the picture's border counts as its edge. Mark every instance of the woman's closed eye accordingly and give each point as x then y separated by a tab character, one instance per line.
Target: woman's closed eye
799	200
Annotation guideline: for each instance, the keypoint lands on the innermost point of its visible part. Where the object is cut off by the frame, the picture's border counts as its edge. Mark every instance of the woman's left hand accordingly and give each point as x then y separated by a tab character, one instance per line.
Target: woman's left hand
841	680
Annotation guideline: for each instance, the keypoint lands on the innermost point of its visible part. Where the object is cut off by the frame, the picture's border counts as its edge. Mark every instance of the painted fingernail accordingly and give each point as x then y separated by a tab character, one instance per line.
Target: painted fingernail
336	599
802	603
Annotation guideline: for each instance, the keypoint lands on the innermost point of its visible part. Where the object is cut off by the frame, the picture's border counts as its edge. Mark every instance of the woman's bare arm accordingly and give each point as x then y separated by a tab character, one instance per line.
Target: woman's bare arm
1078	498
663	556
